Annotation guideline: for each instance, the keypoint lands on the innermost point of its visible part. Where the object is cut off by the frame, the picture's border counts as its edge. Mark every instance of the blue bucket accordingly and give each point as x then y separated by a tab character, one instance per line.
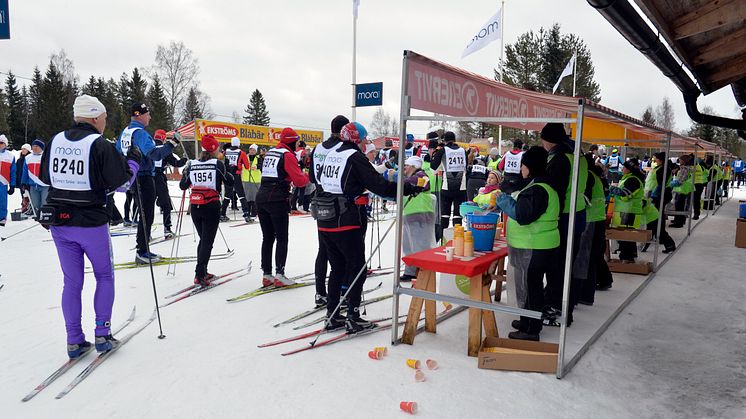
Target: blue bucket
742	210
466	209
483	230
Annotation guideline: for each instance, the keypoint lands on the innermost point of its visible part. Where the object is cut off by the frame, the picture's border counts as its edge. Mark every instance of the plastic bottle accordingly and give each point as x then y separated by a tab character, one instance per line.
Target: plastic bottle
468	244
493	200
458	241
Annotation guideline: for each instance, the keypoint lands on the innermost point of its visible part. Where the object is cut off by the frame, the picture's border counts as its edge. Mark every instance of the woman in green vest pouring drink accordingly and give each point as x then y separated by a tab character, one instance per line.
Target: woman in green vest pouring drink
628	205
533	239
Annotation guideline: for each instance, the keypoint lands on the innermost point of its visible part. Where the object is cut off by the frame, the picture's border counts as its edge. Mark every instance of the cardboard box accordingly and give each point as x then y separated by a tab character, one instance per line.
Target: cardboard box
517	355
638	268
629	235
741	232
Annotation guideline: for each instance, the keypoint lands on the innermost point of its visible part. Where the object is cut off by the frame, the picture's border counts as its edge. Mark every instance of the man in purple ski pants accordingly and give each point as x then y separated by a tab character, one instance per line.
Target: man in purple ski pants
82	168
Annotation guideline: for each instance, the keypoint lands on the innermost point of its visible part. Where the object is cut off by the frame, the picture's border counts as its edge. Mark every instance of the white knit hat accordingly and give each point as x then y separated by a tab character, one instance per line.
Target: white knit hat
369	147
254	147
414	161
235	141
26	147
88	107
3	139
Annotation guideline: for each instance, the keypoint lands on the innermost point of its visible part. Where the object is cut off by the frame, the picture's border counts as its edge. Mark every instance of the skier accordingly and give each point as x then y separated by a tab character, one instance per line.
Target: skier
37	189
453	193
144	190
318	155
7	177
236	161
613	164
510	166
80	168
20	162
298	197
344	176
738	170
533	238
410	149
251	177
273	205
204	176
163	198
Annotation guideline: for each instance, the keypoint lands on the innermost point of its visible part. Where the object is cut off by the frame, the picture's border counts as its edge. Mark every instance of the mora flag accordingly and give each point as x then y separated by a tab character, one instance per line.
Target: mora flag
489	32
566	72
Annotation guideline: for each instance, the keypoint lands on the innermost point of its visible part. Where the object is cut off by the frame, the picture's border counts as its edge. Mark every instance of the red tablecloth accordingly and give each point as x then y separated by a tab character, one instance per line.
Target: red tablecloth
435	260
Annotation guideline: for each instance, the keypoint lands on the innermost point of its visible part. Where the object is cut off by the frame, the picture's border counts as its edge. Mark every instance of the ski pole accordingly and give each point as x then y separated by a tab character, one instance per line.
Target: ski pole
175	244
19	232
146	231
354	282
224	240
378	227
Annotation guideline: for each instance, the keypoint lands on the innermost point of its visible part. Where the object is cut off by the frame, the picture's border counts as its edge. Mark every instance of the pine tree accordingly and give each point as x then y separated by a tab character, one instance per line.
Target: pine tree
256	110
192	107
159	110
4	111
34	103
522	63
55	104
16	119
649	115
90	87
137	87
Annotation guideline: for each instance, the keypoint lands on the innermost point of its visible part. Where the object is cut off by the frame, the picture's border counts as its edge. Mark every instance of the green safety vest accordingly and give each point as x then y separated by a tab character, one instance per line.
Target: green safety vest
423	202
582	179
597	209
718	172
435	182
649	212
624	205
700	176
542	233
492	165
651	181
253	175
686	187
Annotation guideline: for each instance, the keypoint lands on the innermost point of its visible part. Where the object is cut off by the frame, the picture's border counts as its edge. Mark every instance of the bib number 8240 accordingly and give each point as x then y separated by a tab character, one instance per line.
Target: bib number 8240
68	166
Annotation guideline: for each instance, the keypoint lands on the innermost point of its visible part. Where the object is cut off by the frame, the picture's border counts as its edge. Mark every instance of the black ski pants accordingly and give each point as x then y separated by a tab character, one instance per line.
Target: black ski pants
346	252
206	219
274	221
236	188
598	269
146	184
450	201
162	198
680	204
131	202
556	274
320	267
698	189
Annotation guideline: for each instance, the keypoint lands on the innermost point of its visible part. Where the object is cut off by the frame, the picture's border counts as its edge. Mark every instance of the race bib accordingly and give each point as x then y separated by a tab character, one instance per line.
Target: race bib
455	160
204	174
513	163
478	169
614	162
271	163
333	170
125	142
69	162
232	156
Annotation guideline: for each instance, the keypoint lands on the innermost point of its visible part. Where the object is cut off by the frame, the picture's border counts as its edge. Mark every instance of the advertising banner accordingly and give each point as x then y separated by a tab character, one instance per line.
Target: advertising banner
251	134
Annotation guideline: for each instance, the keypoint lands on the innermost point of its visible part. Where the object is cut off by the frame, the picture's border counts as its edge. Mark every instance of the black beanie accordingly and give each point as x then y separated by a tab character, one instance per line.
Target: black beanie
554	133
661	155
535	159
432	144
338	122
633	165
432	135
449	136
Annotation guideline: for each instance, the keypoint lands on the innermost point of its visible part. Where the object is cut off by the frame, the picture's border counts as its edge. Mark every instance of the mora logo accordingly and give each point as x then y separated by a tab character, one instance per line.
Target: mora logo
470	98
224	131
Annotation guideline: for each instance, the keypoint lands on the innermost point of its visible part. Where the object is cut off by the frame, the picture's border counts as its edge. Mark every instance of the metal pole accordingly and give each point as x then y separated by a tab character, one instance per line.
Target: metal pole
575	72
354	62
662	209
570	231
404	113
691	194
502	57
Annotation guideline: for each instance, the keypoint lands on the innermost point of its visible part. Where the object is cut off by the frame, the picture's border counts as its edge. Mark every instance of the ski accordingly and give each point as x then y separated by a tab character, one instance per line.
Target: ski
199	290
163	239
243	224
165	261
103	357
191	287
317	309
314	333
371	273
362	304
71	362
267	290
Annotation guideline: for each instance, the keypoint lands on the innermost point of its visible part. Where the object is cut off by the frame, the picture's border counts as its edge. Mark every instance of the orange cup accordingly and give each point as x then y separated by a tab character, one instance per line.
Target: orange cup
384	351
374	355
419	376
409	407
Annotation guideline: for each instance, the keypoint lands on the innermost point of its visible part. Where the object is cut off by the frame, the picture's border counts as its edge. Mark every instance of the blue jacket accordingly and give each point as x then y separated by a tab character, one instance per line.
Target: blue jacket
146	144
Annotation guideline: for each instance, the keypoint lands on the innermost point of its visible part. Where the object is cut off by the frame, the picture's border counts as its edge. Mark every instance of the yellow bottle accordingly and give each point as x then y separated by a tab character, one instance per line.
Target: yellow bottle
468	244
458	241
493	200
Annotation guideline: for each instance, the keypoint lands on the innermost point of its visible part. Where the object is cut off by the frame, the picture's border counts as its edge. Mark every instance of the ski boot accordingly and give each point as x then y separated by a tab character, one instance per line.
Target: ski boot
406	278
106	343
79	349
168	234
224	219
524	336
282	281
204	281
320	300
248	218
268	280
334	323
146	257
357	324
127	223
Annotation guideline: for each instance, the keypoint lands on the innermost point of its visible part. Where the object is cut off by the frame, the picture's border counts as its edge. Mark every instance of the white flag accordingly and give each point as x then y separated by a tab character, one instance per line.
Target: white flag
355	5
566	72
489	32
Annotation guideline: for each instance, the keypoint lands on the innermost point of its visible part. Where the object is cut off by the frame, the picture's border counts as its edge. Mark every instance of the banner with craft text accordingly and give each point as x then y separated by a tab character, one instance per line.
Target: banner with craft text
250	134
443	89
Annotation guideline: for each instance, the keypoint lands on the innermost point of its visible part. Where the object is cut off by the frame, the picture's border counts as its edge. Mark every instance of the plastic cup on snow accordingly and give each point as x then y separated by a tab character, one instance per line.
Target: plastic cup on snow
374	355
419	376
431	364
413	363
449	252
409	407
382	350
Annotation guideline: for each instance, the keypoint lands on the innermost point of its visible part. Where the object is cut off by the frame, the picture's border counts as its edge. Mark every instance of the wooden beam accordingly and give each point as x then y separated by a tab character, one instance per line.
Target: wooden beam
727	73
732	44
712	15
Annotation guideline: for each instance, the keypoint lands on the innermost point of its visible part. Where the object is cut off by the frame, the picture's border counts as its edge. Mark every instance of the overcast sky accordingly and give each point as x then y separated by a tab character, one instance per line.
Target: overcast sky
298	53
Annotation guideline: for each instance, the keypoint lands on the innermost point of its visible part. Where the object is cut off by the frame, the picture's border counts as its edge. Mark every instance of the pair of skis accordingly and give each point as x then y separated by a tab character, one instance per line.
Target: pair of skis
317	309
362	304
165	261
193	290
93	365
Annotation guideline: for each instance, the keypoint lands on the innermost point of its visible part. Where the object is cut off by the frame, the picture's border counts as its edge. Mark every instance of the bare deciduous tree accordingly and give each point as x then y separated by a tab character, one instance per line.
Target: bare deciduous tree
178	69
65	66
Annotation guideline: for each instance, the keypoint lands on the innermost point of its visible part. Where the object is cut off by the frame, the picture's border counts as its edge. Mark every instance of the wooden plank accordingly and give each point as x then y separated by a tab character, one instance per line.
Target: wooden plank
710	16
415	308
728	72
488	317
430	321
732	44
475	317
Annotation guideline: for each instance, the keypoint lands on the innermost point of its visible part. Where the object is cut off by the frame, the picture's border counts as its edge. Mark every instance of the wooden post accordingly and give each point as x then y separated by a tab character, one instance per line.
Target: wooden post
415	307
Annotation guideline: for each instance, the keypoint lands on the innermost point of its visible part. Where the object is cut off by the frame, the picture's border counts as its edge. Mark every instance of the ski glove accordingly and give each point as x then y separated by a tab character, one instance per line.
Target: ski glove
175	140
134	154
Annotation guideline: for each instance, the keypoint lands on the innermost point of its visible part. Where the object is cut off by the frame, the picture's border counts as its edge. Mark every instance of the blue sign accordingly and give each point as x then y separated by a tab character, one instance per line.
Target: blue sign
4	20
369	94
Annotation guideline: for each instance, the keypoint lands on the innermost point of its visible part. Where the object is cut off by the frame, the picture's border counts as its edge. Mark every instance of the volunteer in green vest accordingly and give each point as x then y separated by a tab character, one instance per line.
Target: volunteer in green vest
628	206
436	180
251	178
494	159
718	182
419	216
683	185
727	175
559	171
533	239
700	181
712	177
598	276
655	188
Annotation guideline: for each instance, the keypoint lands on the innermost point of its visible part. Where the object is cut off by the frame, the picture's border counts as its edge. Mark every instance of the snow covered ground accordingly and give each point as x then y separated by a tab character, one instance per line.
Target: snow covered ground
676	351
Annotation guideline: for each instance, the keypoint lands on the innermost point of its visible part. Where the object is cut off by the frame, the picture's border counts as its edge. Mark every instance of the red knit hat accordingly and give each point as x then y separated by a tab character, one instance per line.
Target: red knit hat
159	134
288	136
209	143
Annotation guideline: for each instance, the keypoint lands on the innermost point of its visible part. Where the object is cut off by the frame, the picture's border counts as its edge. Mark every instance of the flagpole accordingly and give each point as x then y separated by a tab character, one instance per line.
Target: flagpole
574	72
354	57
502	69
